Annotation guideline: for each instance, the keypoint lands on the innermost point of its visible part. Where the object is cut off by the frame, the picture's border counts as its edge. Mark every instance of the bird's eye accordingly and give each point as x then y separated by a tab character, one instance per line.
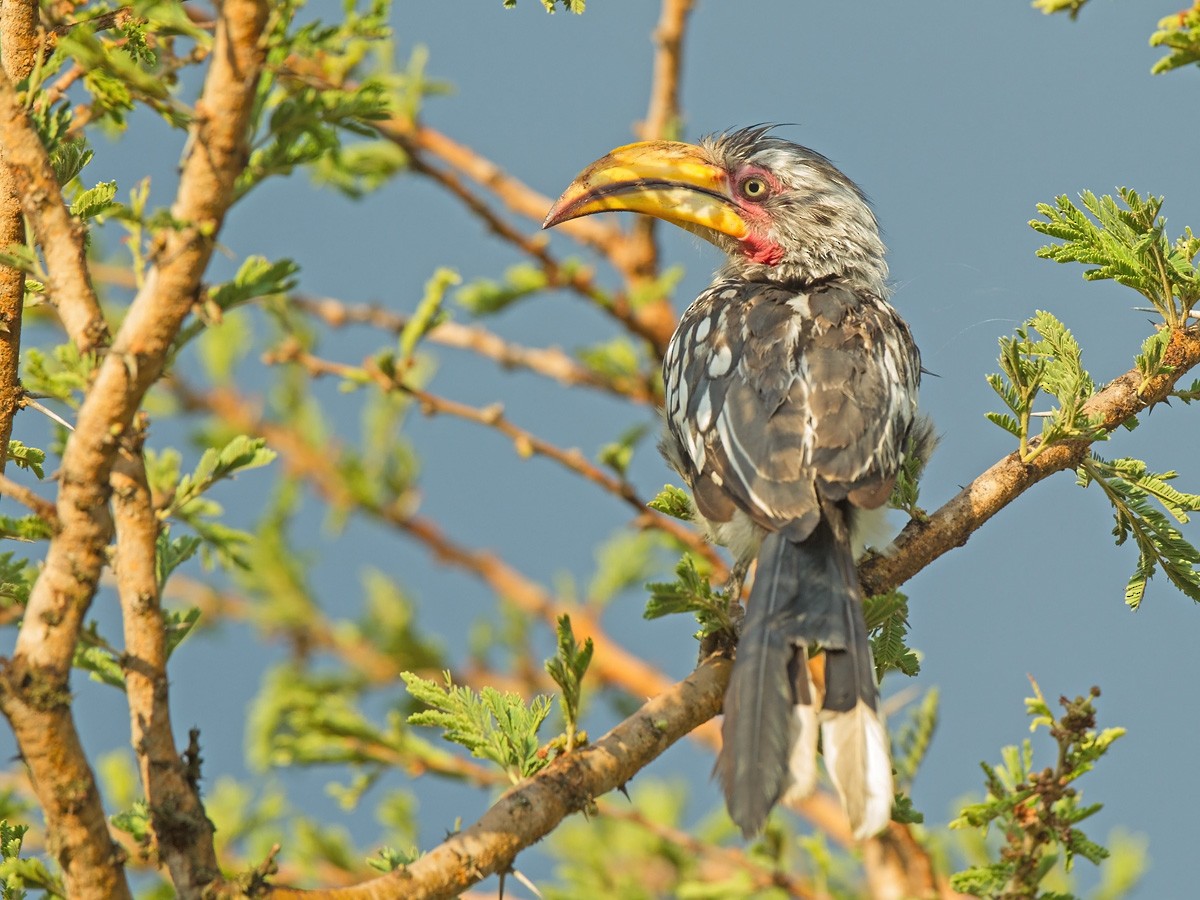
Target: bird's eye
753	188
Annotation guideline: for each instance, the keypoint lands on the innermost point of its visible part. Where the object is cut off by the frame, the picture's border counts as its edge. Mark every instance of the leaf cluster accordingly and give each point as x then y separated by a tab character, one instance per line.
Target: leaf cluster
184	498
1180	32
913	739
1125	241
674	502
567	668
18	873
1130	488
17	576
1044	356
494	725
887	620
1037	811
487	296
574	6
322	88
106	664
691	593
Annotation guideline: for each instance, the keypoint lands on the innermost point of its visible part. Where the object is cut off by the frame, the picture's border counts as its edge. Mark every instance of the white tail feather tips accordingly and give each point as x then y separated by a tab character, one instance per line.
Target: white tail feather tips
802	761
860	766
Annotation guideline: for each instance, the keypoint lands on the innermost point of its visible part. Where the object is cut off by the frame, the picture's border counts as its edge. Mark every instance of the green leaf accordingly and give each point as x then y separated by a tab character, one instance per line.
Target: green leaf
486	297
1180	32
887	619
913	740
16	579
17	873
493	725
1130	487
172	553
63	374
25	528
30	458
1125	241
567	667
94	655
693	594
1150	361
624	560
427	315
135	822
674	502
256	277
177	625
94	202
619	454
1005	421
1071	7
1044	356
619	358
241	454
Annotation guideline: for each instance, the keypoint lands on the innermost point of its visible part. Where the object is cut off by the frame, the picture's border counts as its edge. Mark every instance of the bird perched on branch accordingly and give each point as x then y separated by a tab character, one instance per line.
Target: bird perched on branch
790	402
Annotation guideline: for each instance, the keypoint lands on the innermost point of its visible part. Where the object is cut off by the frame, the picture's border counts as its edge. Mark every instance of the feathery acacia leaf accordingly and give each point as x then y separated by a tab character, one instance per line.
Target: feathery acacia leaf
493	725
1125	243
1130	486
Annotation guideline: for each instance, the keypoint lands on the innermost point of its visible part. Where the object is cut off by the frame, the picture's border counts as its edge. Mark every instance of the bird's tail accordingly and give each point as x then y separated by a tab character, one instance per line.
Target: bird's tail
805	594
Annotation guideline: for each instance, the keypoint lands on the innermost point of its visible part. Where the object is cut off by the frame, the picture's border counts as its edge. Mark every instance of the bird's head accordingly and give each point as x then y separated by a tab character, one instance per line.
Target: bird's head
781	212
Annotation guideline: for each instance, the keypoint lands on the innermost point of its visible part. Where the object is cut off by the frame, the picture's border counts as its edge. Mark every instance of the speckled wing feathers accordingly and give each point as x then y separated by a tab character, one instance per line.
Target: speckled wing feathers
779	397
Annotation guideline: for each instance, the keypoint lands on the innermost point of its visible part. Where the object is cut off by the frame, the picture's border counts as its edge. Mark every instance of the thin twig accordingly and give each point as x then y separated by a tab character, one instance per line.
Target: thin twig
716	863
612	664
550	362
518	197
661	122
28	400
526	443
582	281
35	503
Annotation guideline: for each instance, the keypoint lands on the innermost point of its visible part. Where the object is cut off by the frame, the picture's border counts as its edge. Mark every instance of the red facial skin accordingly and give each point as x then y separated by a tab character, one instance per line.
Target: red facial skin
756	245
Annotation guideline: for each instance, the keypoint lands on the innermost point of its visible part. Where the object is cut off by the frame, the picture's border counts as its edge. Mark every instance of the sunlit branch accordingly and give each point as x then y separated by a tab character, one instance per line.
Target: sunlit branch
526	443
550	362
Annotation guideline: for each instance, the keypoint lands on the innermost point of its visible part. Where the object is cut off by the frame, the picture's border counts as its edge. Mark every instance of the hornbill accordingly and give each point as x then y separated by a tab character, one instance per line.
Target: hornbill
790	401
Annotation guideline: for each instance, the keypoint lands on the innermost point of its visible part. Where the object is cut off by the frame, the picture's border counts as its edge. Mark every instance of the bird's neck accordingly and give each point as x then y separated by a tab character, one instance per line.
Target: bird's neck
866	274
849	251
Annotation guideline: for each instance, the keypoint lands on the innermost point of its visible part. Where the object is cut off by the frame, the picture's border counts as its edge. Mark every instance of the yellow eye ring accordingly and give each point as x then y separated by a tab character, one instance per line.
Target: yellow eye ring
753	188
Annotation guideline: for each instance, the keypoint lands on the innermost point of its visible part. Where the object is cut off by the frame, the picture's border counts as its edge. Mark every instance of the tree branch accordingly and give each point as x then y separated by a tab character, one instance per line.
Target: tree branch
38	505
36	696
921	542
550	362
60	234
532	809
18	51
525	442
182	832
611	664
662	117
492	843
517	196
623	250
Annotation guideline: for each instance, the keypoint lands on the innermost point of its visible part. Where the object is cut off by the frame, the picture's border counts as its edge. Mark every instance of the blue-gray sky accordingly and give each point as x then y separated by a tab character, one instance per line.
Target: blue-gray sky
956	119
